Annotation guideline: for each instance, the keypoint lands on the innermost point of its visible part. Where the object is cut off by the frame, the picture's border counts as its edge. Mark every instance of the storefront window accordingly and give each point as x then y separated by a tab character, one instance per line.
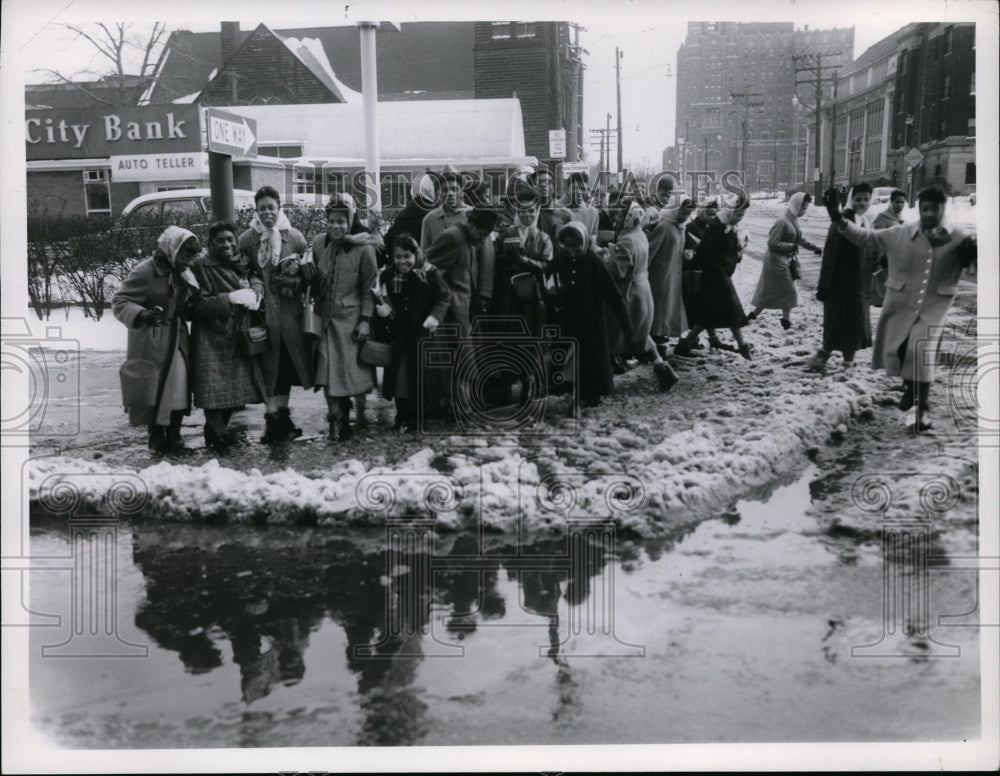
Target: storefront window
97	192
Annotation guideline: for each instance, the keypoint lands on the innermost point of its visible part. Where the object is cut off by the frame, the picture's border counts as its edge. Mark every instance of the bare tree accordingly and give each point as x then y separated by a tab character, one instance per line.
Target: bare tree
117	46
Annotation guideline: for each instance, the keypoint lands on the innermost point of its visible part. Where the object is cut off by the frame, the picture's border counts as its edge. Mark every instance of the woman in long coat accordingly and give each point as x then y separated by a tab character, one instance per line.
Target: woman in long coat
844	289
274	249
926	259
342	280
776	286
418	300
225	379
630	268
586	286
149	303
718	305
666	257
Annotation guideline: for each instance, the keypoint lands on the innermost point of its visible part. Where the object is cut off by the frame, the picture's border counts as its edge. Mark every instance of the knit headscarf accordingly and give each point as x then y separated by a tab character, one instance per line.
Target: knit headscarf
795	204
577	228
634	216
169	243
270	239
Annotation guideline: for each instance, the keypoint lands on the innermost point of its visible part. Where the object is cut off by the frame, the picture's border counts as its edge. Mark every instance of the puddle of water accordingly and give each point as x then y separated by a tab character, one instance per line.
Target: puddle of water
740	630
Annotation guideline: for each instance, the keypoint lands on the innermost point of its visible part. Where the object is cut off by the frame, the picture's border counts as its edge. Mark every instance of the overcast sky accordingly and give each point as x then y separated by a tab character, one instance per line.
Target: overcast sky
649	34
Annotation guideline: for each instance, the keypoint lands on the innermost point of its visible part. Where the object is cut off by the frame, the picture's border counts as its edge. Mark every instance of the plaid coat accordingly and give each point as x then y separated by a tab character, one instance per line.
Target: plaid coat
223	377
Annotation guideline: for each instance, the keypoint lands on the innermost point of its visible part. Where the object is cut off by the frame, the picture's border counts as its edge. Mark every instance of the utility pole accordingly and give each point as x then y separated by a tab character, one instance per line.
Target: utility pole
813	63
833	132
618	82
747	100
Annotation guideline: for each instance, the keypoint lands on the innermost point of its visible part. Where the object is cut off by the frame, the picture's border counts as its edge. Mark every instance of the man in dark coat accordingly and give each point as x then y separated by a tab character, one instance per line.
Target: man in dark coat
843	289
551	216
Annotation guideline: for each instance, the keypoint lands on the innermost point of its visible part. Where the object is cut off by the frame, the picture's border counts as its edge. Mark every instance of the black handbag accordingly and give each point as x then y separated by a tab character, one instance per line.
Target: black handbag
253	334
794	268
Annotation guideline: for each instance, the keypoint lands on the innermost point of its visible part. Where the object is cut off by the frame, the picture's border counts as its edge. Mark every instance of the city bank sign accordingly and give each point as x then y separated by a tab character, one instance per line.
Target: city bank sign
100	133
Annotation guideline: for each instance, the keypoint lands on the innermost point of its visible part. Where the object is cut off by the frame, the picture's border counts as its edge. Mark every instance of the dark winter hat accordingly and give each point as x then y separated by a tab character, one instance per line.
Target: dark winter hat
483	218
451	173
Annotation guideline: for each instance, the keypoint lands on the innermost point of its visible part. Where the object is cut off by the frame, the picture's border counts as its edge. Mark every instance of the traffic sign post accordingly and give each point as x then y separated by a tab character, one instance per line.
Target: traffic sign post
228	135
557	143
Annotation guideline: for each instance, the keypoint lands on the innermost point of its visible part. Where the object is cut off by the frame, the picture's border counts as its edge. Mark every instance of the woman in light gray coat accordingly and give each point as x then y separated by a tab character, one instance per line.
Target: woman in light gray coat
666	249
926	259
776	286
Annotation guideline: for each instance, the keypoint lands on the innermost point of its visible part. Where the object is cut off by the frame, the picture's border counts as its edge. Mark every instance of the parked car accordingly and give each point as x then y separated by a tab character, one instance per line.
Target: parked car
182	202
881	194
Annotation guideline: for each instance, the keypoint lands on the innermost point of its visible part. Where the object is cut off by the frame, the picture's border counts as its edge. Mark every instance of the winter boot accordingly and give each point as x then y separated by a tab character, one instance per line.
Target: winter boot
334	421
157	437
285	420
682	349
174	443
716	344
274	433
666	375
752	315
346	432
744	350
817	361
786	324
906	400
217	436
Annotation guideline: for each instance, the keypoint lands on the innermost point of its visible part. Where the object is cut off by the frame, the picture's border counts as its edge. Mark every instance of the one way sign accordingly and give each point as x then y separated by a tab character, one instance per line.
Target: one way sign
231	134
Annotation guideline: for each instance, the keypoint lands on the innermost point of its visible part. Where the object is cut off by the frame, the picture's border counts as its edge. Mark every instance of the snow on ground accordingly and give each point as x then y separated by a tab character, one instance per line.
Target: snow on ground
652	461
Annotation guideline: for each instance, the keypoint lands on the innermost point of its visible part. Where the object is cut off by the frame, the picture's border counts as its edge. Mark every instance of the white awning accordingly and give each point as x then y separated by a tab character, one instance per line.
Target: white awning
427	133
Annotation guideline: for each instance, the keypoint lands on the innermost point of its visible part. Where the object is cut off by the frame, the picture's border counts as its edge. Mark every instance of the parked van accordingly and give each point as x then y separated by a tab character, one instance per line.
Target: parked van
182	202
881	194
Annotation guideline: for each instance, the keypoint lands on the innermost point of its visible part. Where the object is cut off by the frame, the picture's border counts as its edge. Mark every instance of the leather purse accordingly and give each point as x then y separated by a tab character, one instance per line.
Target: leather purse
375	353
253	334
312	324
794	268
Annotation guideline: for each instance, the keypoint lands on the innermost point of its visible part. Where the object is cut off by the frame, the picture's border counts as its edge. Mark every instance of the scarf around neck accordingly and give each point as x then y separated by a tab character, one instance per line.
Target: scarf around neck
270	239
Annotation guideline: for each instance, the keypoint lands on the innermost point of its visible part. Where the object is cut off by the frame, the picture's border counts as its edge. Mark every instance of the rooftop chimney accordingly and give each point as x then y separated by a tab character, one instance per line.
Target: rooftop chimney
229	40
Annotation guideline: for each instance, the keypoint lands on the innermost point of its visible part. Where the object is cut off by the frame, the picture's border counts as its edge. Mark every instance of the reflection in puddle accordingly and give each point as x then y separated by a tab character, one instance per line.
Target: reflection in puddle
300	637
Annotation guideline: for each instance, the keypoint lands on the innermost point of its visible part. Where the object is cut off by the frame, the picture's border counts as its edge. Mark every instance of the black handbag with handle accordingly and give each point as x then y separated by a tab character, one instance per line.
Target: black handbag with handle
794	268
253	334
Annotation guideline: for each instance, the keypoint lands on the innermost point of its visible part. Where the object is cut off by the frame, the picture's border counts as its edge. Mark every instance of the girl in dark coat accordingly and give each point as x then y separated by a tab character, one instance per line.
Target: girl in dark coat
411	217
718	305
417	300
149	303
586	286
844	289
225	379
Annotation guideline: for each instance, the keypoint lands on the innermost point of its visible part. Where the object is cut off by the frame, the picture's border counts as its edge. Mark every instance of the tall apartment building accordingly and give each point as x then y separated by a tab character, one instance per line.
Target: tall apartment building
757	129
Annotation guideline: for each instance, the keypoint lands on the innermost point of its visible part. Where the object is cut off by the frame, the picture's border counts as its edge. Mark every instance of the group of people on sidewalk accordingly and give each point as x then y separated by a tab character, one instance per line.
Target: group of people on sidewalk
269	310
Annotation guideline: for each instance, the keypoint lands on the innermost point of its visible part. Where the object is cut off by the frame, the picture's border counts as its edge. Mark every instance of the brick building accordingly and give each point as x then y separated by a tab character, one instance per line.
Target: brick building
755	129
534	61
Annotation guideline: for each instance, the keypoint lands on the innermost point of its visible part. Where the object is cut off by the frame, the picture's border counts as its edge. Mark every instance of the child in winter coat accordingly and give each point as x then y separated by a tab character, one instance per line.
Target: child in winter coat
415	301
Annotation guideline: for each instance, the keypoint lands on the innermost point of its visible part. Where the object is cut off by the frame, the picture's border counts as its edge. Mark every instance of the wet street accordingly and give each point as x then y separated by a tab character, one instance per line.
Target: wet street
797	570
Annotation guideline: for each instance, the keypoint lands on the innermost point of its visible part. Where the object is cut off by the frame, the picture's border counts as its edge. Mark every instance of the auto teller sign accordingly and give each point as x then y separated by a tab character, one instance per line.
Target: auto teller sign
159	167
100	133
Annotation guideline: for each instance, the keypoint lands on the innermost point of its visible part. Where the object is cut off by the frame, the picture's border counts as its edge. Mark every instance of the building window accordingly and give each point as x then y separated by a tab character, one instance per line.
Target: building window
971	131
947	88
501	30
970	172
947	40
972	84
280	151
97	191
305	180
525	30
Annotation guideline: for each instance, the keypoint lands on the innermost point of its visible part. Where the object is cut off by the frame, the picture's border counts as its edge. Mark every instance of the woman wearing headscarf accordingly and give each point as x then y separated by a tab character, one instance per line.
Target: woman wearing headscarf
225	379
585	287
844	287
718	305
275	250
149	303
411	217
666	256
342	279
630	267
776	286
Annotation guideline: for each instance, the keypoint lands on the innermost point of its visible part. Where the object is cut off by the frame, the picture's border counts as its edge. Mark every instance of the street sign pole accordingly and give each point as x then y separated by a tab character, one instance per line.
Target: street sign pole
228	135
220	181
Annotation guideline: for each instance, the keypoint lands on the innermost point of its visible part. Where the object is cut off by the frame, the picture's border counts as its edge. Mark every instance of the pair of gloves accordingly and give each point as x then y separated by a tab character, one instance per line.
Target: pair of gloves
244	297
